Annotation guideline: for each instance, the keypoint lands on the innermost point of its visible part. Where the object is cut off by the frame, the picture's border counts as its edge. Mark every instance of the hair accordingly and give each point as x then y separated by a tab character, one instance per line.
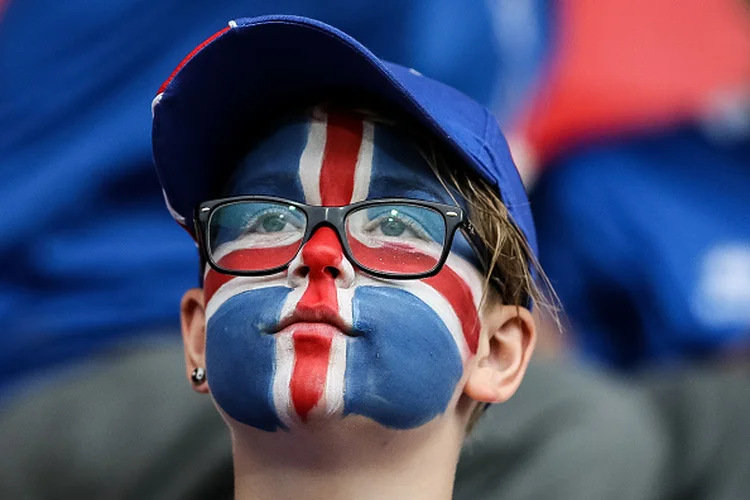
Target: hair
512	273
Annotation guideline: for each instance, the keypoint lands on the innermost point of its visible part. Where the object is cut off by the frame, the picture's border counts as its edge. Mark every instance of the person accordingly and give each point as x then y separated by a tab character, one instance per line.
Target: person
91	405
368	260
666	283
640	203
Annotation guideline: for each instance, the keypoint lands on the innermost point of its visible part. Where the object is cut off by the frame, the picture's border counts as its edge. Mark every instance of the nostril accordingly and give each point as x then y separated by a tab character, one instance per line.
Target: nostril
302	271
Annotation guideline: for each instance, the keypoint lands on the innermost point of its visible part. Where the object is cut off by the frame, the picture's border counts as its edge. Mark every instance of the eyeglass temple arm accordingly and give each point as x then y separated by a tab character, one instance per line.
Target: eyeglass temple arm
483	253
470	232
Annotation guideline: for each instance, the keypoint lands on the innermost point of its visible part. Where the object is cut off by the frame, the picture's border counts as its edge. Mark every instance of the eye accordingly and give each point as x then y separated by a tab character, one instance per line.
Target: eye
392	226
396	224
273	221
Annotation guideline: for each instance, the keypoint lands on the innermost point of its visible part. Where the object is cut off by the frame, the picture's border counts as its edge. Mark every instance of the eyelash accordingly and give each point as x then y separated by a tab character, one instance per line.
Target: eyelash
413	226
251	221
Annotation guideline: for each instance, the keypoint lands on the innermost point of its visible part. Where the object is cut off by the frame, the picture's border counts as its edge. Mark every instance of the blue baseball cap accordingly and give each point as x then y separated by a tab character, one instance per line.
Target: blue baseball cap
256	65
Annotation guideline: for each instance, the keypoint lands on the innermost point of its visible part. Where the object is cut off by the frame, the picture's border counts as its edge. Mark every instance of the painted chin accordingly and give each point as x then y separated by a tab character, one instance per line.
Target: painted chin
315	345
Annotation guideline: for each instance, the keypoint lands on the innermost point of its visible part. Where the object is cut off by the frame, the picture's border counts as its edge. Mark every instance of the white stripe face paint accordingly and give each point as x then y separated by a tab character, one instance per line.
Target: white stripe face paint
311	160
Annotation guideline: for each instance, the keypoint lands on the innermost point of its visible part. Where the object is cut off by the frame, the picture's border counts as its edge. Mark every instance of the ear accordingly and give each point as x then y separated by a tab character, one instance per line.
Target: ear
506	345
193	320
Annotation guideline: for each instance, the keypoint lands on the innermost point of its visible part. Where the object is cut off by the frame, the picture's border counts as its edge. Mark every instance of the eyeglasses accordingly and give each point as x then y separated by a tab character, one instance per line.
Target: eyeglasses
389	238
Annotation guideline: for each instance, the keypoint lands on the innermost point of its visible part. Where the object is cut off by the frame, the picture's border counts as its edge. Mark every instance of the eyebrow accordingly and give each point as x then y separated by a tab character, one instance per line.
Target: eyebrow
400	186
262	181
410	185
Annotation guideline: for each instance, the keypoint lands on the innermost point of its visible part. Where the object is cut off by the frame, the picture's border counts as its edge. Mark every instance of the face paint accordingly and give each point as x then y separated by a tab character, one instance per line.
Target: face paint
323	340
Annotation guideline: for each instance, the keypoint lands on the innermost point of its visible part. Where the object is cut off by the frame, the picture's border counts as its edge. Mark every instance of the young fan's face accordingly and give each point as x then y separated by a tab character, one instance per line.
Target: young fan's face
323	339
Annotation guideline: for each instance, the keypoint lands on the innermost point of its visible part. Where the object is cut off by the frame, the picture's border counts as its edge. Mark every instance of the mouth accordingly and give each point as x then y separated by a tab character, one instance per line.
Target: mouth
316	315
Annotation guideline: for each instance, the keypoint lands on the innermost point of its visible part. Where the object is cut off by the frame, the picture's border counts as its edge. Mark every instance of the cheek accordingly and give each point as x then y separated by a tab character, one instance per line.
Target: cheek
459	285
403	368
416	337
240	354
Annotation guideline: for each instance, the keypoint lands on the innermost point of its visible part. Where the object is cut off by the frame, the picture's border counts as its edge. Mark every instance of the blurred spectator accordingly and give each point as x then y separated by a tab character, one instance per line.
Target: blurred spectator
648	244
637	119
641	128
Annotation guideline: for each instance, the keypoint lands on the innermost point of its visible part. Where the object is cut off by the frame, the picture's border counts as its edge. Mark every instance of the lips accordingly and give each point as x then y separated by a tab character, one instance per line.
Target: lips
311	315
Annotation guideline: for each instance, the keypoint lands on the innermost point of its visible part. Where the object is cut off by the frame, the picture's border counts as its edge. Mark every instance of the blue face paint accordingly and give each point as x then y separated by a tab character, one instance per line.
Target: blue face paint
391	372
240	355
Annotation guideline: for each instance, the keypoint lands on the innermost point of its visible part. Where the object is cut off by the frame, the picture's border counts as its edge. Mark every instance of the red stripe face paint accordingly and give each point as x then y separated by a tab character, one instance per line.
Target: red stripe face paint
343	142
321	261
312	349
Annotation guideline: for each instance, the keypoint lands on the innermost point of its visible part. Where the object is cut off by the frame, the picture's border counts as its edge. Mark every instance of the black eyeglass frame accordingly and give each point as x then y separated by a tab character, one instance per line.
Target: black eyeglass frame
334	217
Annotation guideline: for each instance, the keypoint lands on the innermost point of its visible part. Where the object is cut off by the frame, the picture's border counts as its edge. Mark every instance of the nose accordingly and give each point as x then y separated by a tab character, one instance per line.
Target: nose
322	259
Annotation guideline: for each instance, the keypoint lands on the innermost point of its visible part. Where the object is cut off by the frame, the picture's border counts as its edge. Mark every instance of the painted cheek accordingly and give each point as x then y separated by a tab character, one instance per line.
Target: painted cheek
458	292
416	335
241	356
459	285
241	352
457	289
403	371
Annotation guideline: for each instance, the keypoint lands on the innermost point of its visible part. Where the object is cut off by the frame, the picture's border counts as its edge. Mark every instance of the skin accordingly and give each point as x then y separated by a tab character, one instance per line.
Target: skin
387	390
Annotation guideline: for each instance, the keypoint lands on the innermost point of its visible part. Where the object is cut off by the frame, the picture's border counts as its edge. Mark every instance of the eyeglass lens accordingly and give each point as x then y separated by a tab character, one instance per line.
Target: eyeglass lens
389	238
255	236
399	239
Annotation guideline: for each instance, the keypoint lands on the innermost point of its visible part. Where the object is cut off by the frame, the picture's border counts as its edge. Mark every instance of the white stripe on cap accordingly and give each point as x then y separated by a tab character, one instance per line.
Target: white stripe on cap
175	215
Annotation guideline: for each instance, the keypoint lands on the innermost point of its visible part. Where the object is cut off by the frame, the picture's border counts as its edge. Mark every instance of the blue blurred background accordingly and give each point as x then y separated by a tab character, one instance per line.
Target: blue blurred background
630	122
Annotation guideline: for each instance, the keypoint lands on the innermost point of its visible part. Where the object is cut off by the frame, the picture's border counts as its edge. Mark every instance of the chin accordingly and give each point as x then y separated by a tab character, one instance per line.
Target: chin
331	438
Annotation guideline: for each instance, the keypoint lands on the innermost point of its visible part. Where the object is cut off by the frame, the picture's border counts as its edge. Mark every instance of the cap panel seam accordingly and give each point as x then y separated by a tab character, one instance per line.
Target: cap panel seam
190	57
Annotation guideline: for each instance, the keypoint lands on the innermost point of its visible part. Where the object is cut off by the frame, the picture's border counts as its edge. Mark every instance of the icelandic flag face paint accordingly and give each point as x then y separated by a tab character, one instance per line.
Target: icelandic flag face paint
323	340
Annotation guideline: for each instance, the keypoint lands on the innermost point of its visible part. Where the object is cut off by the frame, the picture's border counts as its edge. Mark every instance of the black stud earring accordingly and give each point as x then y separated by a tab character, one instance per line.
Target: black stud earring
198	376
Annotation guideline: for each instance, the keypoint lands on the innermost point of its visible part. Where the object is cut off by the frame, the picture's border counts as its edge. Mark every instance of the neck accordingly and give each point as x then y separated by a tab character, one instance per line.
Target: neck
354	458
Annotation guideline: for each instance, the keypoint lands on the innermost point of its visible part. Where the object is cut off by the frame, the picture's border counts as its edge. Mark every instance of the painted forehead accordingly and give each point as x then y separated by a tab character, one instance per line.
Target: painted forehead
336	158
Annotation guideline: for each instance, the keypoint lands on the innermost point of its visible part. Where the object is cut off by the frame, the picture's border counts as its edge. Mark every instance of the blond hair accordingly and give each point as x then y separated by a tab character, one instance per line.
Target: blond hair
513	274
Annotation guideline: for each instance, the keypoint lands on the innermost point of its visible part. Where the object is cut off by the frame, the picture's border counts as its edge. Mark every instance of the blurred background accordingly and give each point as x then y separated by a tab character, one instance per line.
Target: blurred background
630	123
